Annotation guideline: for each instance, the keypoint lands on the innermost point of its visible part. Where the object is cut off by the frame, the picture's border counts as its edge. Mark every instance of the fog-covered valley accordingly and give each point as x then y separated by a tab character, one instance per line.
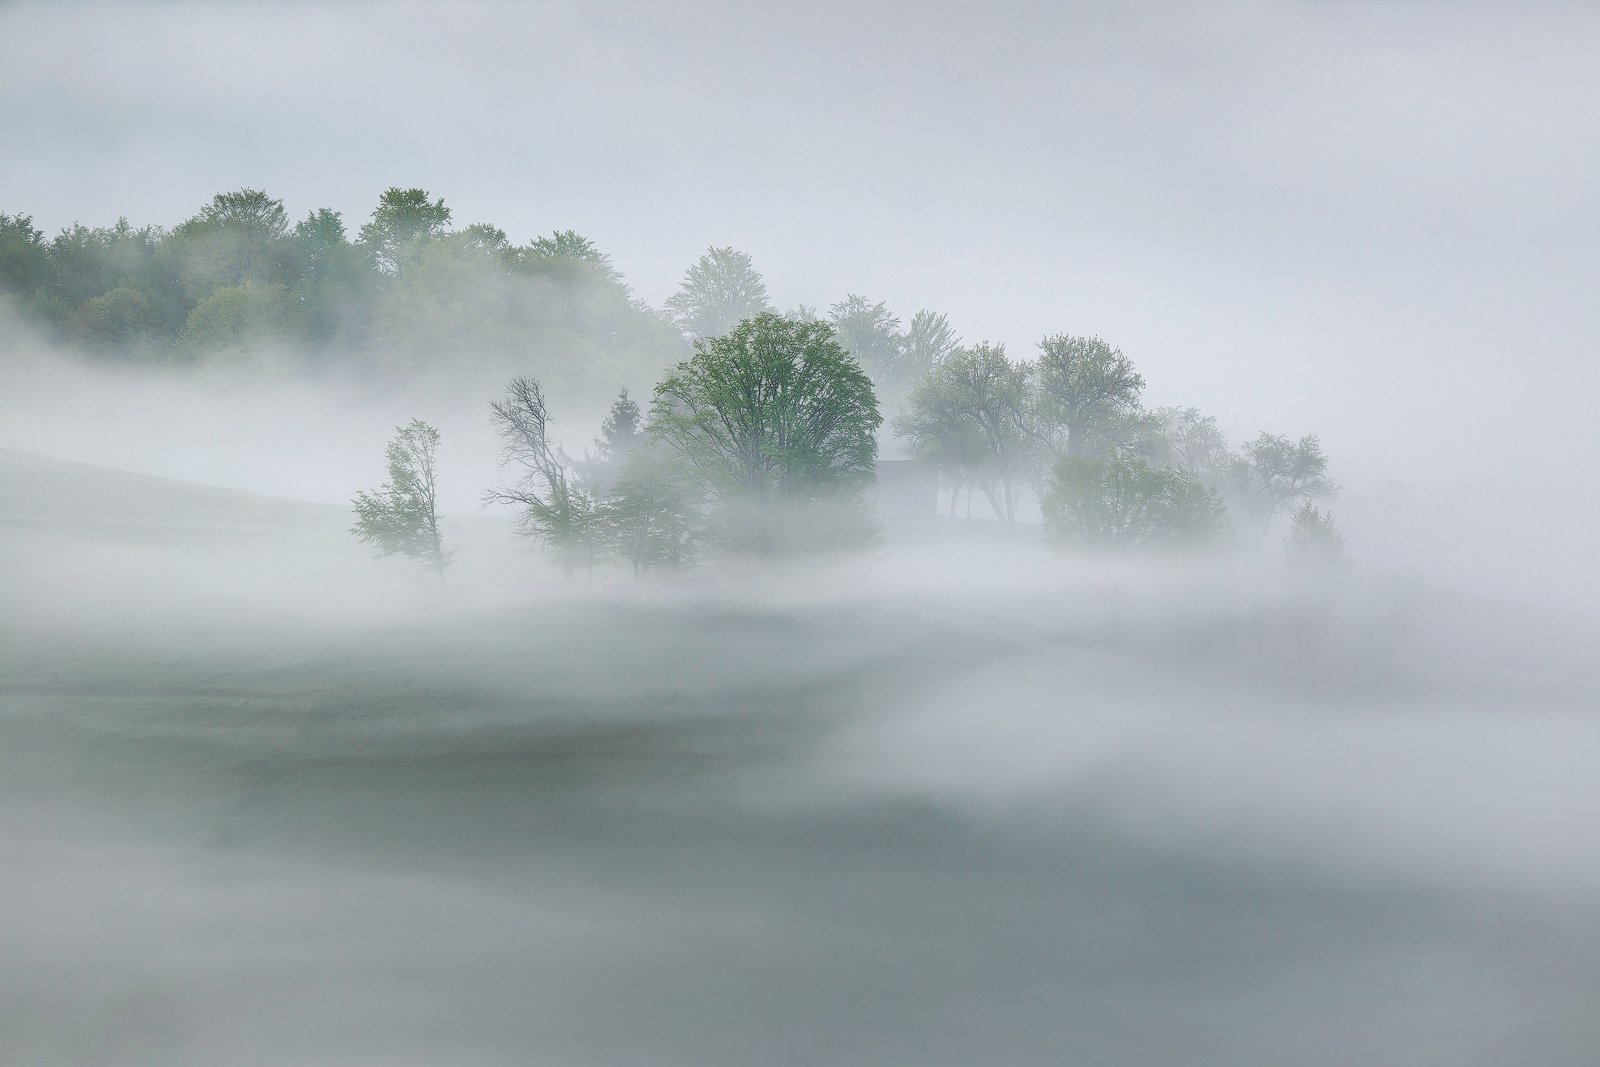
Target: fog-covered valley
862	534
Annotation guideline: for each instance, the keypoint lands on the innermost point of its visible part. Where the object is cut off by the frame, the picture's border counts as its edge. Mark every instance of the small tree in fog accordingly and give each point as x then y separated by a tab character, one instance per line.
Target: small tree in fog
1313	541
652	512
967	415
871	334
1272	472
721	290
1088	396
620	436
555	508
401	517
929	341
1124	503
1186	439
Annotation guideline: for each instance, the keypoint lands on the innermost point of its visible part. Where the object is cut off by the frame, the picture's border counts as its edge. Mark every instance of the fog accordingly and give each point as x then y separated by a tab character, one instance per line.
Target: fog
960	796
269	801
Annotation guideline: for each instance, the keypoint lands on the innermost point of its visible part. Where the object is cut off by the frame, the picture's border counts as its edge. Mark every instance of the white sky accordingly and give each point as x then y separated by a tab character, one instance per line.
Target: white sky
1376	221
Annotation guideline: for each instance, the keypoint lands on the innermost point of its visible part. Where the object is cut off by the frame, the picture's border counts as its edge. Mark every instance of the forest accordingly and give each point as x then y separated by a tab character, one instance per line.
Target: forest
759	428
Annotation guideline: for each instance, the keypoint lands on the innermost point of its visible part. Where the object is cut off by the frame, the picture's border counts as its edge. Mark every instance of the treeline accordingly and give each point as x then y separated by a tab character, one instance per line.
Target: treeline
761	444
1070	430
411	296
407	293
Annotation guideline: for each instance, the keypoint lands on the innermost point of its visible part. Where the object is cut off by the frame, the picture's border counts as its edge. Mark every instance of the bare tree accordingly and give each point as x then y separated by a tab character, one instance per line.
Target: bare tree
555	507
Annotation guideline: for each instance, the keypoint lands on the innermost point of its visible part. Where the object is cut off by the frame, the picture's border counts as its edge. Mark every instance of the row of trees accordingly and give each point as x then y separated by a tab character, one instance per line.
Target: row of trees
409	292
1070	429
761	443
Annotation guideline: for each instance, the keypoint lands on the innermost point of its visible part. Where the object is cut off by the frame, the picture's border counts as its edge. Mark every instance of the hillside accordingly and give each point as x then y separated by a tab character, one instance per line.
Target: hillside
261	797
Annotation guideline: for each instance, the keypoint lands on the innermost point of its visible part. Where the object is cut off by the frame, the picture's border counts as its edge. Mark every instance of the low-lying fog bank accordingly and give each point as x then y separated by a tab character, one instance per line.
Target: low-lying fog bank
265	800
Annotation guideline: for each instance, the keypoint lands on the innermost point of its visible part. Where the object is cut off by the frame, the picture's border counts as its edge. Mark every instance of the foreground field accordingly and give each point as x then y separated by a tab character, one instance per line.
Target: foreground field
263	801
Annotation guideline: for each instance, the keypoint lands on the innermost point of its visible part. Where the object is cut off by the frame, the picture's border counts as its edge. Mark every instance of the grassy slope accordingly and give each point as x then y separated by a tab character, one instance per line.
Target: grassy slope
264	801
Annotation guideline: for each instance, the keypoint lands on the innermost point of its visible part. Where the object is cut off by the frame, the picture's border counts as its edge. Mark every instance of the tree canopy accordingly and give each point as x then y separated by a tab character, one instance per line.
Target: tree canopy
968	415
720	290
1122	503
772	415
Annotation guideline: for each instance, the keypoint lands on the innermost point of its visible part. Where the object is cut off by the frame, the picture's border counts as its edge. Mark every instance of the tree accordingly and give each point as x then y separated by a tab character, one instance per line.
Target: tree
1272	471
556	509
620	435
937	427
778	421
1186	439
969	411
402	219
1314	543
721	290
1087	392
1122	503
330	277
238	318
88	263
871	334
121	319
236	238
570	244
652	511
928	342
25	267
402	517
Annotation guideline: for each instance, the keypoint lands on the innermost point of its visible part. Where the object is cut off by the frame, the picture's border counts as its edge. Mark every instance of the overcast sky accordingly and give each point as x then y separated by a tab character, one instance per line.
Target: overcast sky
1377	221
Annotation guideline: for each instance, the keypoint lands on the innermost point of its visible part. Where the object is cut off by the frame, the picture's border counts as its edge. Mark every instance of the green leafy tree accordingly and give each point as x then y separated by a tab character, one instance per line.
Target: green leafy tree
554	507
652	511
621	434
968	415
237	238
721	290
778	421
1272	472
938	427
403	219
1088	395
1122	503
121	320
92	262
871	334
331	278
1314	543
242	318
571	245
25	266
465	309
402	517
929	341
1187	439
